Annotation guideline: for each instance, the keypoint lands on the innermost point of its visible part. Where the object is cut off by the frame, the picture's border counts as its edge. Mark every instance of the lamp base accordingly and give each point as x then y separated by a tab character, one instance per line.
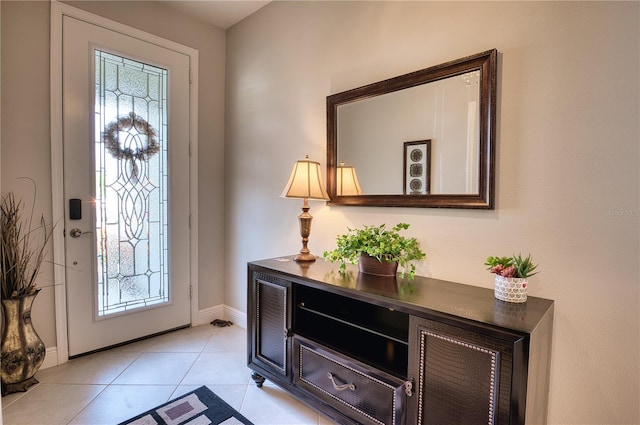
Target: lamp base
305	258
305	230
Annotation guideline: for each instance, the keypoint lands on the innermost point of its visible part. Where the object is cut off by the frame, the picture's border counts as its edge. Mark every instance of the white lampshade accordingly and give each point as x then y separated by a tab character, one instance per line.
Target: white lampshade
347	181
305	181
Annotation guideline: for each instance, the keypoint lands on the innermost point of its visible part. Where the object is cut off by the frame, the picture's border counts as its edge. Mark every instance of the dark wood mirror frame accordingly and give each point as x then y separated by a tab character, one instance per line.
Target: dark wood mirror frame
486	63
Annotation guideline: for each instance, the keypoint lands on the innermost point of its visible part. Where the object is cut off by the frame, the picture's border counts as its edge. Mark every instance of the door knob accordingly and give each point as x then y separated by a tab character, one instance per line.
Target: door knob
75	233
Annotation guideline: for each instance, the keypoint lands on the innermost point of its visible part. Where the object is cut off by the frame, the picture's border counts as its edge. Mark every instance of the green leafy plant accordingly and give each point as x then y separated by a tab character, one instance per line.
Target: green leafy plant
379	242
22	248
515	266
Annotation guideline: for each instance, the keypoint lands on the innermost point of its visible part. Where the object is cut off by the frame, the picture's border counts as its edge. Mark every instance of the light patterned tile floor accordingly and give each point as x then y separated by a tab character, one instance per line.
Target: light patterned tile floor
114	385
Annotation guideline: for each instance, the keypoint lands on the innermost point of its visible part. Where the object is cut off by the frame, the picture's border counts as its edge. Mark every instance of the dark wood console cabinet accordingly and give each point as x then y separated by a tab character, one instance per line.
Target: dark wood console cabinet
374	350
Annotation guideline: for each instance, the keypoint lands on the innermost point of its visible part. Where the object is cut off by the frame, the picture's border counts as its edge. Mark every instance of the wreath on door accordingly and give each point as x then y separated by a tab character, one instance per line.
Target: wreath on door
127	123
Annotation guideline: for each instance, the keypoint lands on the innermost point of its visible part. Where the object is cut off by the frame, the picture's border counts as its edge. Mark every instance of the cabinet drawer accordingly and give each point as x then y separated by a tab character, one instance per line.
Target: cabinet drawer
365	394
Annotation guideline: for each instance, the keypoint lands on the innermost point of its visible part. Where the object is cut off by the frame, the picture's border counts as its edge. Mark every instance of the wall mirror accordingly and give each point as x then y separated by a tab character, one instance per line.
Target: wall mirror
423	139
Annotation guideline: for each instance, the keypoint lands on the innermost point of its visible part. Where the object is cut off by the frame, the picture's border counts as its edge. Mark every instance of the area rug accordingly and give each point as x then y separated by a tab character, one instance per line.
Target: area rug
199	407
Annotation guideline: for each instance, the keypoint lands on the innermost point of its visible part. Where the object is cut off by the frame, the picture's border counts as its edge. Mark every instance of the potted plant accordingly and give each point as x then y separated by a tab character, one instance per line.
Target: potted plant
22	251
377	247
512	275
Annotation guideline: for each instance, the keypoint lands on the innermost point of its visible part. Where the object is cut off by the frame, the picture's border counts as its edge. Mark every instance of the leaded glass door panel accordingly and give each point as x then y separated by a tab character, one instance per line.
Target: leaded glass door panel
126	165
130	161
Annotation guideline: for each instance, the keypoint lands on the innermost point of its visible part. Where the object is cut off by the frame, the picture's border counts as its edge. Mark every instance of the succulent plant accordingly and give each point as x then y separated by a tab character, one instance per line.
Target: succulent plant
515	266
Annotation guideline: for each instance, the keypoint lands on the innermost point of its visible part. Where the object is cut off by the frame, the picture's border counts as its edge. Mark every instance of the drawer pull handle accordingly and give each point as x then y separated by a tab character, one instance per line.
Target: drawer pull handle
342	387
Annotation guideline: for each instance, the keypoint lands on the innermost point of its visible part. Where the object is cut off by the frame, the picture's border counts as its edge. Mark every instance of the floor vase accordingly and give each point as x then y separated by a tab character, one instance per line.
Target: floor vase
22	349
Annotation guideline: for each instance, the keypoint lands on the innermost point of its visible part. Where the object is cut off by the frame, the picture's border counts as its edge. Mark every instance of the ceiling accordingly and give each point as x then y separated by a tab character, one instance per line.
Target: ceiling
221	13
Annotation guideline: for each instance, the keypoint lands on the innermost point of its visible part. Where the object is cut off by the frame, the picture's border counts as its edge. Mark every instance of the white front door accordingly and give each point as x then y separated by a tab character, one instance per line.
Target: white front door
126	186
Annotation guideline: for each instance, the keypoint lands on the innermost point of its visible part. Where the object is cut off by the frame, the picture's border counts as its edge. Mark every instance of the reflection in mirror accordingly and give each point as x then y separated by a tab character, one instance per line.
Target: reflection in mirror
445	115
347	180
417	168
444	111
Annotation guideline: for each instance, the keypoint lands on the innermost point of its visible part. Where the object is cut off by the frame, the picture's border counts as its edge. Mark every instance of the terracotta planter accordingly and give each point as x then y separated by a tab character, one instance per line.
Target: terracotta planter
510	289
371	265
22	349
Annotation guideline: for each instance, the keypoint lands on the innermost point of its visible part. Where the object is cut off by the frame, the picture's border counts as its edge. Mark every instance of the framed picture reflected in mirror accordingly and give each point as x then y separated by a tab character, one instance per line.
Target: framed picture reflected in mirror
417	168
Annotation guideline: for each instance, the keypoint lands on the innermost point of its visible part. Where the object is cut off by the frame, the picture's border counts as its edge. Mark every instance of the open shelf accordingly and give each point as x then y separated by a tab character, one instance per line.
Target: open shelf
372	334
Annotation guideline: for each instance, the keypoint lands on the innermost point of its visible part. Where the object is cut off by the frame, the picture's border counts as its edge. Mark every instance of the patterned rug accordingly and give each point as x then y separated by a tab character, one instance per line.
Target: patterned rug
199	407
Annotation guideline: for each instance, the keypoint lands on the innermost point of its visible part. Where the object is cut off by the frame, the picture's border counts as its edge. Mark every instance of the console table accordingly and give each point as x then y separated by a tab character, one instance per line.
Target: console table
365	349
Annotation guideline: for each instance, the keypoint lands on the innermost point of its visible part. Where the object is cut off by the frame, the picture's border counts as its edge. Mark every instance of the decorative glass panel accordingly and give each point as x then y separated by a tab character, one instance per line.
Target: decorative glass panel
130	184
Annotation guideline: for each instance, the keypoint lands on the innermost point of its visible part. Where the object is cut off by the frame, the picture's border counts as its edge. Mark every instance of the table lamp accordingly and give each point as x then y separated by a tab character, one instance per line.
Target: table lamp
305	182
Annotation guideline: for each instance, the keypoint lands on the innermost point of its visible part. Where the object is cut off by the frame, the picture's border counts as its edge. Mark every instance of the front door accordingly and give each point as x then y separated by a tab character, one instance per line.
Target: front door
126	186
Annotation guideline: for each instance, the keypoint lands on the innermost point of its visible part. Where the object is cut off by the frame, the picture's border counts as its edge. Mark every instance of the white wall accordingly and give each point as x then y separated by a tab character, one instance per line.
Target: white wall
25	128
567	170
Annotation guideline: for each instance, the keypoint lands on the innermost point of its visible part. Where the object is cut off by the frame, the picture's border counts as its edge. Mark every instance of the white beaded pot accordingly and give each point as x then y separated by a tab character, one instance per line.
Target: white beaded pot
510	289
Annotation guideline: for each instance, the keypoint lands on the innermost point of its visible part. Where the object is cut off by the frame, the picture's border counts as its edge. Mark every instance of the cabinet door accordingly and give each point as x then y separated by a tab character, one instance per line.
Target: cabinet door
461	376
269	324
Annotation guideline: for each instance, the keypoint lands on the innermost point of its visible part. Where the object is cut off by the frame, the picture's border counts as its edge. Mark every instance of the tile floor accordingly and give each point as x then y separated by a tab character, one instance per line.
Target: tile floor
114	385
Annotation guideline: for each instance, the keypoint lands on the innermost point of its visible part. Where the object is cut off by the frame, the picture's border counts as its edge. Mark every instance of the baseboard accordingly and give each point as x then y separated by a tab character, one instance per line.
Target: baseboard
206	316
50	358
222	311
203	317
238	317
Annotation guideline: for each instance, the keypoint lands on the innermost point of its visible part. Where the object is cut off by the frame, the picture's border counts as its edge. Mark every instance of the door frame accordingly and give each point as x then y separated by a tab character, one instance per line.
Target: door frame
58	11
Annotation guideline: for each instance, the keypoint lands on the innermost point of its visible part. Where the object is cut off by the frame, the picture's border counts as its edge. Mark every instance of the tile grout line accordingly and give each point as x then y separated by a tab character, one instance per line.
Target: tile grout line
138	354
220	341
